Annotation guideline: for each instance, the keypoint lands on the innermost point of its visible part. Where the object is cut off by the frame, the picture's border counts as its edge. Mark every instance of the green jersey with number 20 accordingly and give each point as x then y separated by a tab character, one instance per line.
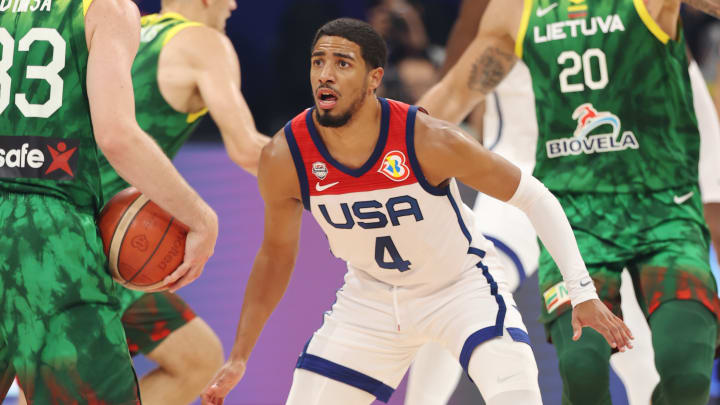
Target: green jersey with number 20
613	99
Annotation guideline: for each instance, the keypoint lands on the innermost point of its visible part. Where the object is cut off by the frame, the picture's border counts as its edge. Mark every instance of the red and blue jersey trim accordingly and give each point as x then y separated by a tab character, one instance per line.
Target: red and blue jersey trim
391	164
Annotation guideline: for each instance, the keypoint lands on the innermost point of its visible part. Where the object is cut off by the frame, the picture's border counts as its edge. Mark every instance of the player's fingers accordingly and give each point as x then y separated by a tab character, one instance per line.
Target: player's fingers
577	328
177	274
627	330
605	332
616	333
190	276
624	332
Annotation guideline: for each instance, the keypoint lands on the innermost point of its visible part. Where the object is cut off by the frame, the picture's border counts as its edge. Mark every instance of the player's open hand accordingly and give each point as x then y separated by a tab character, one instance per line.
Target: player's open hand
595	314
225	380
199	246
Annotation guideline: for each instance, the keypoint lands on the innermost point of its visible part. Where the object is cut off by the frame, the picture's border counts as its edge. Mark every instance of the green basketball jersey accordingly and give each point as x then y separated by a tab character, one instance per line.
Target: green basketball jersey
46	139
612	94
167	126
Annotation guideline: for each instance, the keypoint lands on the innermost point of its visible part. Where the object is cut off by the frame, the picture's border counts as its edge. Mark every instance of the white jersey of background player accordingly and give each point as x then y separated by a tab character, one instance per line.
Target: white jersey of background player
510	130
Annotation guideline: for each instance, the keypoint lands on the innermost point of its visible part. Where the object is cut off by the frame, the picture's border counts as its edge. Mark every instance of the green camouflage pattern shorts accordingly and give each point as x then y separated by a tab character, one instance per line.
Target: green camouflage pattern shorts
660	238
60	330
149	318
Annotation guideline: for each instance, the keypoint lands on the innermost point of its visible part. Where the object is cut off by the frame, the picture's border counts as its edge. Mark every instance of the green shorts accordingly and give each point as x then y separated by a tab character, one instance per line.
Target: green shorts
60	330
150	318
660	238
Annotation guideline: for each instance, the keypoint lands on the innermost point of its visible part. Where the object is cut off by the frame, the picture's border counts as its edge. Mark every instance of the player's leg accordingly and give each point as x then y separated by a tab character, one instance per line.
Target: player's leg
361	346
684	336
583	364
433	376
188	353
479	323
60	318
635	367
310	388
513	376
680	299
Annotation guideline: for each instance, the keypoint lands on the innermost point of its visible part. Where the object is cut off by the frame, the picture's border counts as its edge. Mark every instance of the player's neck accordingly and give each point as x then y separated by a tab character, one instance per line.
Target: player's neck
353	143
188	10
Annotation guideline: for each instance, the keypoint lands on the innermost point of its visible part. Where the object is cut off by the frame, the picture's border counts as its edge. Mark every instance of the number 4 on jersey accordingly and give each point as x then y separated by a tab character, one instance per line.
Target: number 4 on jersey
385	244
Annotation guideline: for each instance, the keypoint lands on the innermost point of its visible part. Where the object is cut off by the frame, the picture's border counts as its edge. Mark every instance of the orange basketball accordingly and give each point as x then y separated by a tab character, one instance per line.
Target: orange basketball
142	242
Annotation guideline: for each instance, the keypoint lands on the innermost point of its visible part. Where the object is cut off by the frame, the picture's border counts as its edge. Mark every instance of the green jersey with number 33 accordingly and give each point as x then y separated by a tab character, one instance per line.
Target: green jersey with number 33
613	99
46	139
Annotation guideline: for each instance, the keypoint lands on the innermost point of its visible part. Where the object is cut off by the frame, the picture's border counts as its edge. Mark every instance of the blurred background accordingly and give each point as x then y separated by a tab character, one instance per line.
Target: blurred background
272	39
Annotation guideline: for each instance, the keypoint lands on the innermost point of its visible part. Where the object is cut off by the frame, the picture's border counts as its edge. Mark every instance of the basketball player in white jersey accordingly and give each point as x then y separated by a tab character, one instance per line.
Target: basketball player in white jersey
510	130
378	176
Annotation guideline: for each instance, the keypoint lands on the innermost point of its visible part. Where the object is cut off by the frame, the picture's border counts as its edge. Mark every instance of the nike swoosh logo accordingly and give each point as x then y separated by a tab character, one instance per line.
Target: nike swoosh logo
587	283
681	199
542	11
318	187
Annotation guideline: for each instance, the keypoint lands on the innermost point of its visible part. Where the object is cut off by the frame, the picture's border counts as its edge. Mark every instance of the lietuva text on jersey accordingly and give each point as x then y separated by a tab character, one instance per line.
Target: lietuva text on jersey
384	218
573	28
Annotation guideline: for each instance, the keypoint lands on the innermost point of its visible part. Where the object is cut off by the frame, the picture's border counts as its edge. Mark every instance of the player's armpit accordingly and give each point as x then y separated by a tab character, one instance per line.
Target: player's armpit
711	7
444	151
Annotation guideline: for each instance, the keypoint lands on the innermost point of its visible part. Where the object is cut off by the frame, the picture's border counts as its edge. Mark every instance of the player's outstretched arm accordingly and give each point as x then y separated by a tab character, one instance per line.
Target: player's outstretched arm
112	29
444	151
482	66
273	265
216	71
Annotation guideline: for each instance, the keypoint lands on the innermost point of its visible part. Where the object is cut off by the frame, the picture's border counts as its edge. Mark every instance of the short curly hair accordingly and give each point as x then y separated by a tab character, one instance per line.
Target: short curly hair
373	48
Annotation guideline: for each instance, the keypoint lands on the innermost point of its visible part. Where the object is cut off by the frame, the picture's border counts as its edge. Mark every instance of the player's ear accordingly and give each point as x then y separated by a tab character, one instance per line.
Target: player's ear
376	76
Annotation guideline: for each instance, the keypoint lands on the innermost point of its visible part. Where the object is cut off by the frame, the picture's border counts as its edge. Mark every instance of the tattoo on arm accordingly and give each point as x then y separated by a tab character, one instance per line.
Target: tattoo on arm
711	7
489	69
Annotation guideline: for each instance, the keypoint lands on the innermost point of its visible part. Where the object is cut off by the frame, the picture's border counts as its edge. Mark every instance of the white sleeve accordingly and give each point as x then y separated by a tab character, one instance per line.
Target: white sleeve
553	228
709	127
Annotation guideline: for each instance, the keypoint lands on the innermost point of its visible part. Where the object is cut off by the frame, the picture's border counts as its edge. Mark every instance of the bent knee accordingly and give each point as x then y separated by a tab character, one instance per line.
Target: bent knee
585	373
192	350
688	388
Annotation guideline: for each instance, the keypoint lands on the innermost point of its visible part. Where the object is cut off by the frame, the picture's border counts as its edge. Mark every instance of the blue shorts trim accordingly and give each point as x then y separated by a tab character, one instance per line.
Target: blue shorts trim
337	372
484	334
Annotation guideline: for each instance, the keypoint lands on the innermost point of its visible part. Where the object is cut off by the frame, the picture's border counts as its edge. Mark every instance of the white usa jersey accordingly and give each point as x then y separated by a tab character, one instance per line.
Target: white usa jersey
384	218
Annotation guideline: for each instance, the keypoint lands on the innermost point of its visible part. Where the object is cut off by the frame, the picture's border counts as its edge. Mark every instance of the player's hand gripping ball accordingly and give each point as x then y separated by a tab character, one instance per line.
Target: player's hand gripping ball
142	242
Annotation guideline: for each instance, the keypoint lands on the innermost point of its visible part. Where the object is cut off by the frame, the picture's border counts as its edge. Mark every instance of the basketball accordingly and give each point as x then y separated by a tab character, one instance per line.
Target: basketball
143	243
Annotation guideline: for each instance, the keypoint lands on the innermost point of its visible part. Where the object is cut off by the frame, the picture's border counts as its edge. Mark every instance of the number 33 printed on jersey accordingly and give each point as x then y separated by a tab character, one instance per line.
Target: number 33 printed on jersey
49	73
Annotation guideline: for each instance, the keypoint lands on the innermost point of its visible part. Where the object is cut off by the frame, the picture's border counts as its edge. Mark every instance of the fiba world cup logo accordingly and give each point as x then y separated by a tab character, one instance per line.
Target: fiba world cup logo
394	167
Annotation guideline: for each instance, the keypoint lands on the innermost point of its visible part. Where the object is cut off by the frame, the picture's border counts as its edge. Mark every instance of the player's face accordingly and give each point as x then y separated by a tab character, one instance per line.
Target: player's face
219	12
339	78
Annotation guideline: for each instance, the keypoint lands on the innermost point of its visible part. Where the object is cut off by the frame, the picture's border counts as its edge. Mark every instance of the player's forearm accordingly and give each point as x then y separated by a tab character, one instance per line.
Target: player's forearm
243	145
449	103
481	68
141	162
711	7
553	228
265	288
